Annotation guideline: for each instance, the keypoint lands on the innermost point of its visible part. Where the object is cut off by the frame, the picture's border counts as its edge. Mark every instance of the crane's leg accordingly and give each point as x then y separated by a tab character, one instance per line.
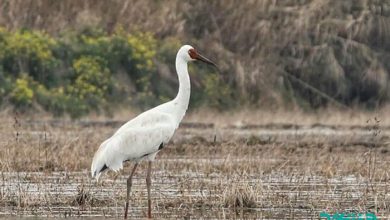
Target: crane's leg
148	184
129	184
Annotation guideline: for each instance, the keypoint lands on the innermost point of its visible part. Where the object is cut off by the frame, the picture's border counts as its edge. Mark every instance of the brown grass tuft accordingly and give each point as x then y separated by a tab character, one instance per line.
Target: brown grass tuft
239	195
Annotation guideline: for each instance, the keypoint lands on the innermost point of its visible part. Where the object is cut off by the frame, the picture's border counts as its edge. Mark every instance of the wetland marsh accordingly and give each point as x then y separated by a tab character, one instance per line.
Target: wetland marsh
267	171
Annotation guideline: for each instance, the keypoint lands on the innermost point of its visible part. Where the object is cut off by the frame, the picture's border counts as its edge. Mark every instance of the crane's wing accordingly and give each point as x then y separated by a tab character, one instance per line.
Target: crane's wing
134	141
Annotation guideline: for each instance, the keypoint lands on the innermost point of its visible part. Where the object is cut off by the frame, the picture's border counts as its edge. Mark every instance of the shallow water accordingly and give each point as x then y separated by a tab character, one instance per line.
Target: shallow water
283	193
190	195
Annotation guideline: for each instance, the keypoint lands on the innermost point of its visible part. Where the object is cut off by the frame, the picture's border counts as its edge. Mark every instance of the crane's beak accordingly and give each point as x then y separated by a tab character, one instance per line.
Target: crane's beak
204	59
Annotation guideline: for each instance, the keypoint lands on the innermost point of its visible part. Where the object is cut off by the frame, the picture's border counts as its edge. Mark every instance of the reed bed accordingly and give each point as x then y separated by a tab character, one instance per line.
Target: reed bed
207	171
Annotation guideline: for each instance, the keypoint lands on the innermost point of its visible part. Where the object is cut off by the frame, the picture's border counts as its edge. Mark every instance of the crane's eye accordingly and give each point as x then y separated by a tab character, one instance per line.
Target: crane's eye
193	54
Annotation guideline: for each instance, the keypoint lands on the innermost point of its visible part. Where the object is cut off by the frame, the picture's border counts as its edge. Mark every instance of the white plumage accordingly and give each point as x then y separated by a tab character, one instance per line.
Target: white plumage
137	139
145	135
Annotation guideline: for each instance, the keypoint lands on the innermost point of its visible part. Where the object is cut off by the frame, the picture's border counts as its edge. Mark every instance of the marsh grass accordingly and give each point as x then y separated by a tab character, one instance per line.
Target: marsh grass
244	172
239	196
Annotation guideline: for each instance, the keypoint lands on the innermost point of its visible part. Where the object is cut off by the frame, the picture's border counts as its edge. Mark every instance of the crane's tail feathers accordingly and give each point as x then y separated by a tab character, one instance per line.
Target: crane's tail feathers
100	164
97	172
103	160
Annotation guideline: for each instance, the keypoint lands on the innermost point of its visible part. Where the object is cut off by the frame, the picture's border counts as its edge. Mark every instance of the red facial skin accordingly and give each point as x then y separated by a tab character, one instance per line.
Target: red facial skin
193	54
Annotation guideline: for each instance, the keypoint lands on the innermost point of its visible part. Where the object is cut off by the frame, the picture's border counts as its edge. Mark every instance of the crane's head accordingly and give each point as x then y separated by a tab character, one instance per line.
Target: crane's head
188	53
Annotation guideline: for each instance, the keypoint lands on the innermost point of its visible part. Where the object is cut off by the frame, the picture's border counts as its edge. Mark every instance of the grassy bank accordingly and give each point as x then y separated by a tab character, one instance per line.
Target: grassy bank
306	54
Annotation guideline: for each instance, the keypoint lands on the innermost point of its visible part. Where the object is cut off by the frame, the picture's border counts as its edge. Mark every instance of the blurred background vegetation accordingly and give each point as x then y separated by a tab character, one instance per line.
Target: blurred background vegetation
77	57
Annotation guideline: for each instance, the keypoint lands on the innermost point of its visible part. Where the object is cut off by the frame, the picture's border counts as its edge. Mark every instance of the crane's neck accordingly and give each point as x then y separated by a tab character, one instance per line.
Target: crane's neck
183	96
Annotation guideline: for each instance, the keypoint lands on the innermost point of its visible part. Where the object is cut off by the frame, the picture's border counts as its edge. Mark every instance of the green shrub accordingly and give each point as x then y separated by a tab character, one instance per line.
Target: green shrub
6	86
22	93
218	94
74	73
29	51
132	54
143	51
54	100
91	84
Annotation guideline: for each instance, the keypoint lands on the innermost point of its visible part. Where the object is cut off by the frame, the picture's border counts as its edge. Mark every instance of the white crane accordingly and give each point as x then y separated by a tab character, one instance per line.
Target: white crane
145	135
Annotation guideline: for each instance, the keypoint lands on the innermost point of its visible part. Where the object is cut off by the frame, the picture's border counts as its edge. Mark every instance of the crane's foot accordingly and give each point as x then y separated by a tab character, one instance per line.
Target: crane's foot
126	209
149	211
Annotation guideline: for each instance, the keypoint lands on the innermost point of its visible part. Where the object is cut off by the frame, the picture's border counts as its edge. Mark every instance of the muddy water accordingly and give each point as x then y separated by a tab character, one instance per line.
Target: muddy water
189	195
277	195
